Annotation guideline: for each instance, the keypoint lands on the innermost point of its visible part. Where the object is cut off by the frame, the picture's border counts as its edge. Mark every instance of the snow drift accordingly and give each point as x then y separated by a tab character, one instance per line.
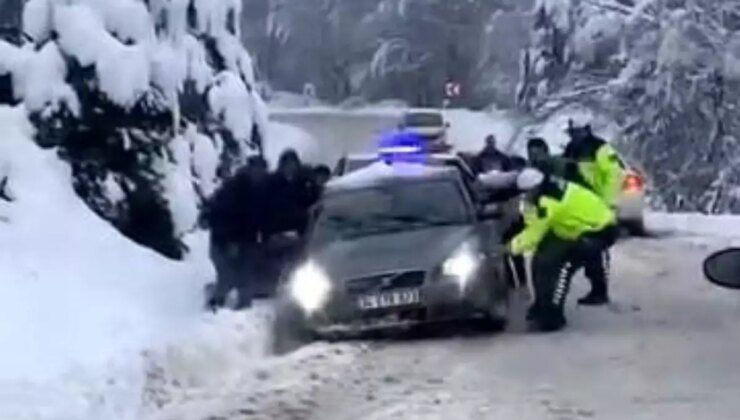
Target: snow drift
96	327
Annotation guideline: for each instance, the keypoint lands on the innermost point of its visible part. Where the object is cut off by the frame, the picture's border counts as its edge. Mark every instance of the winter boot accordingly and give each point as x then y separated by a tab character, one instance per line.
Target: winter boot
594	298
551	323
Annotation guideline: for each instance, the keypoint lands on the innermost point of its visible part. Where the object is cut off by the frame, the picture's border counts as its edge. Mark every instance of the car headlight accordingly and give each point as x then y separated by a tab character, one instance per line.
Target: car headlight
462	264
310	287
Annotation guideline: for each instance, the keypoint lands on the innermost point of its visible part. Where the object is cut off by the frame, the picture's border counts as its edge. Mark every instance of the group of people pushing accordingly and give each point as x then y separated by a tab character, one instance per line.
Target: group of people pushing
568	221
569	218
250	209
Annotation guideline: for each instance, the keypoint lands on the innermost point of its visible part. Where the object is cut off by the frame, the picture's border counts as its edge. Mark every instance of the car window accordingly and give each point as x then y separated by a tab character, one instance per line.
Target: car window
355	164
390	208
423	119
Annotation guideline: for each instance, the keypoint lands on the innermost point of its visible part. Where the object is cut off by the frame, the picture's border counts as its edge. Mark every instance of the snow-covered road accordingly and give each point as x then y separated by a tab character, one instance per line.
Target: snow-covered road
666	348
97	343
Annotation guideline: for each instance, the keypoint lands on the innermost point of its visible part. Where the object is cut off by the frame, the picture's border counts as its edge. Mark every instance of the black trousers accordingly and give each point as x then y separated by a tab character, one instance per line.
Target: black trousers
555	263
596	259
237	267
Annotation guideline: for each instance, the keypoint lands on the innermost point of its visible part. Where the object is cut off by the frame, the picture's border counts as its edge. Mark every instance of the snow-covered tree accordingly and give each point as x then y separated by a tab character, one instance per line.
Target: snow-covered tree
664	71
379	49
152	102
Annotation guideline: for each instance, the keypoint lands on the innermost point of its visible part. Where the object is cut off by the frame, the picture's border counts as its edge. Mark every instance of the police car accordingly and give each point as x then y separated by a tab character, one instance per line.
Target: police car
398	240
396	245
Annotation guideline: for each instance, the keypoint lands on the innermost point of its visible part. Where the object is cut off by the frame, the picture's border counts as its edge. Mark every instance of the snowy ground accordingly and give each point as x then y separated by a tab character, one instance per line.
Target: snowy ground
666	348
98	328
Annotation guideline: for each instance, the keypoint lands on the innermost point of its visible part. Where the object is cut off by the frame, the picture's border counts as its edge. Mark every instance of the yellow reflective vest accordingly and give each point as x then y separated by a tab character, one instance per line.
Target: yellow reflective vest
577	212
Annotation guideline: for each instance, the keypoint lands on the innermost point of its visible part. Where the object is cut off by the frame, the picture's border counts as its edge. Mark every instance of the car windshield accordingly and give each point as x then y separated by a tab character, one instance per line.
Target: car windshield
390	208
423	119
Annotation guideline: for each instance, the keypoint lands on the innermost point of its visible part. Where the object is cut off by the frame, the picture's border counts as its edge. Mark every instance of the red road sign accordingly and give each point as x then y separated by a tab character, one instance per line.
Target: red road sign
453	89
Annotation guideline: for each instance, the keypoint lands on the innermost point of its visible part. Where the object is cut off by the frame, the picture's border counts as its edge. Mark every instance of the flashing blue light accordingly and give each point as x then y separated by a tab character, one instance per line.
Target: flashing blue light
402	147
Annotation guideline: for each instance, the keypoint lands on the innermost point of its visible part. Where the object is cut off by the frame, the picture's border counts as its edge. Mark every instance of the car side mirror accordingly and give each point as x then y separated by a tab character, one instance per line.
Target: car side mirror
448	125
723	268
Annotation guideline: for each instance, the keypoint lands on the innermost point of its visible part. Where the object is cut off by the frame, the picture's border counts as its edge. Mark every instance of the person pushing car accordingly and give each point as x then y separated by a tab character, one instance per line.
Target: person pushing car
566	225
593	164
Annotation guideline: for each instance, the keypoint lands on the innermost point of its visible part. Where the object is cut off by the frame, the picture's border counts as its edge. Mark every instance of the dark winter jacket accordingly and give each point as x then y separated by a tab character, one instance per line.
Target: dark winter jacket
238	210
492	159
290	201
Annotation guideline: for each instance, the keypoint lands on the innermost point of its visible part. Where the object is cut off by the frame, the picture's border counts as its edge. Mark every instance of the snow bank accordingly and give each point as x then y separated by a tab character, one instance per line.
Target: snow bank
722	226
94	322
78	292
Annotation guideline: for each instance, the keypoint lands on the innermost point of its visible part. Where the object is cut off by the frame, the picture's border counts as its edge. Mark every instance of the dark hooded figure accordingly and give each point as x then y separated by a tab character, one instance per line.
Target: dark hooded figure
321	175
293	191
237	216
491	158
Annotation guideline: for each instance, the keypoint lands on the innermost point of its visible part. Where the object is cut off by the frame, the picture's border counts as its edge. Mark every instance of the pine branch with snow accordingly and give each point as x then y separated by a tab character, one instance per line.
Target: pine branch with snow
151	102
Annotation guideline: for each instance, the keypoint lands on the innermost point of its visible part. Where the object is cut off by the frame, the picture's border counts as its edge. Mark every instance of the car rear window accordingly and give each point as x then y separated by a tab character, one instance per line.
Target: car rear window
423	119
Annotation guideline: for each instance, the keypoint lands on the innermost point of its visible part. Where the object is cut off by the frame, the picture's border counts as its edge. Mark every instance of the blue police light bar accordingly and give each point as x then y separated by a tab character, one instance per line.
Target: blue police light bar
402	147
400	150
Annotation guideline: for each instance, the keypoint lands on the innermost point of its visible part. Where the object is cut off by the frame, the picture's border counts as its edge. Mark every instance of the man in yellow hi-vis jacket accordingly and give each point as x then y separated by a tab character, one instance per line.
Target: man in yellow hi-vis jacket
592	163
567	225
595	162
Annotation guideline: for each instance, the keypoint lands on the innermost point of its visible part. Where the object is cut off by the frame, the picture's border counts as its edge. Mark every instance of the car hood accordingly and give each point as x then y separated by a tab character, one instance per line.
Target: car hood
419	249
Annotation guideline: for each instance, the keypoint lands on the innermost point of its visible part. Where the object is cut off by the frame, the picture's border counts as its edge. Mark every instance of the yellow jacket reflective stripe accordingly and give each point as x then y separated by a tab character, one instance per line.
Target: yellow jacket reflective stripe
577	212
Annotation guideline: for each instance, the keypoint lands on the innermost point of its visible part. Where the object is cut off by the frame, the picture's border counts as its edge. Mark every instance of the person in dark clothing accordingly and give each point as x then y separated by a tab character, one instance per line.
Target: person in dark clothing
321	175
539	157
491	158
518	163
236	216
293	191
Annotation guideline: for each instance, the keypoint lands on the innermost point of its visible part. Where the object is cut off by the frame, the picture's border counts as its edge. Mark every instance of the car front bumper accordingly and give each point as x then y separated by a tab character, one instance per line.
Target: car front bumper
440	302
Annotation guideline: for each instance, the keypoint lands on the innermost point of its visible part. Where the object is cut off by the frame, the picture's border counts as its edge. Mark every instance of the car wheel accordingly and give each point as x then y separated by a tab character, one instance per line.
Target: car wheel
289	330
496	318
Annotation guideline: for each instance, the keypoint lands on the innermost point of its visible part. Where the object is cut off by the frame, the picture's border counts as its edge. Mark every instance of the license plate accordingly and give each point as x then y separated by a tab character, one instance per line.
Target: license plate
389	299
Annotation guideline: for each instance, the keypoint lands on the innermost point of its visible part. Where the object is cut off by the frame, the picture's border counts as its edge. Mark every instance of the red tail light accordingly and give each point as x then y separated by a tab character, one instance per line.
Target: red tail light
633	182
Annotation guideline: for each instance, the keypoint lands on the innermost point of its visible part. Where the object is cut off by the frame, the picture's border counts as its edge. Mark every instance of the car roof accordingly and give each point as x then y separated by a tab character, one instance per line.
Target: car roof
381	173
369	156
